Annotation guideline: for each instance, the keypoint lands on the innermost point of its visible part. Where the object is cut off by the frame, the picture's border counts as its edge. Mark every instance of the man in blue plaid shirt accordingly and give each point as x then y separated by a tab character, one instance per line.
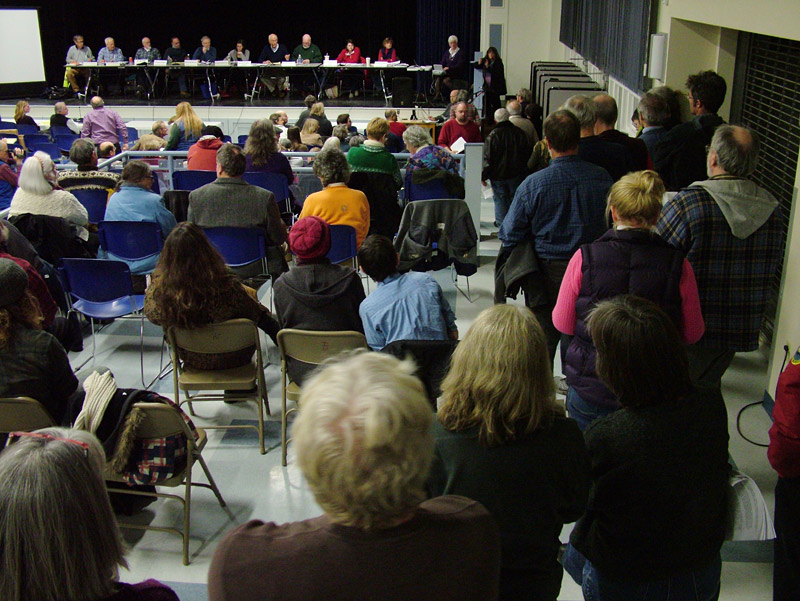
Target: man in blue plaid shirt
732	232
559	208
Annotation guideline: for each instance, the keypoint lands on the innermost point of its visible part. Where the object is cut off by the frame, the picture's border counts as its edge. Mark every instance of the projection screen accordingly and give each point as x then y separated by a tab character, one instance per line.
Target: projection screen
22	68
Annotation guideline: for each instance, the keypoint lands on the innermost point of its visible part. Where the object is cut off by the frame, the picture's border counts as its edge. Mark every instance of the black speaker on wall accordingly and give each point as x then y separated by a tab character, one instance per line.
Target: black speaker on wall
402	92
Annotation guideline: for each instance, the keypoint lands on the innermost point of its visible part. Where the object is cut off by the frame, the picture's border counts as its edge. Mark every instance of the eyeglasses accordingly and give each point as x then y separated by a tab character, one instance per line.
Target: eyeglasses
14	436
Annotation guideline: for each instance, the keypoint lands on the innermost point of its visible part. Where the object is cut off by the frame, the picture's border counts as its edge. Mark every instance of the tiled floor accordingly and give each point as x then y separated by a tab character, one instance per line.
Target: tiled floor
256	486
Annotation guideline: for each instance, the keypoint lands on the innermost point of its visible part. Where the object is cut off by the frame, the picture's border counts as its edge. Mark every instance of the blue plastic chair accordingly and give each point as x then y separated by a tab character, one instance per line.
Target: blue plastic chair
102	289
61	130
133	135
274	182
64	141
239	246
46	147
25	130
32	140
95	202
243	139
130	240
343	244
8	125
192	179
226	139
433	190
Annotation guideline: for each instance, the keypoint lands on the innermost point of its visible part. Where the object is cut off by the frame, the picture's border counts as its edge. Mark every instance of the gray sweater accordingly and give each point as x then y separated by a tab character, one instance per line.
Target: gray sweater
81	56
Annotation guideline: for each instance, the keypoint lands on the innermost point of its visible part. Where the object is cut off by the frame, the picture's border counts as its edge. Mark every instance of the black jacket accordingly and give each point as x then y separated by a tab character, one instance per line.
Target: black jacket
506	152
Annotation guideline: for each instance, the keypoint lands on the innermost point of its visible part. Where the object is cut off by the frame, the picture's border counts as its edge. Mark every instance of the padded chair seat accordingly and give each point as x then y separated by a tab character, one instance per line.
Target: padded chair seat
235	378
111	309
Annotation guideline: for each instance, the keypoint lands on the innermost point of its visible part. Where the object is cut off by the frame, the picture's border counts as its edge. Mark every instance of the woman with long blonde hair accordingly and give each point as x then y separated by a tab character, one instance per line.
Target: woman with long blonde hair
503	440
309	135
21	116
186	127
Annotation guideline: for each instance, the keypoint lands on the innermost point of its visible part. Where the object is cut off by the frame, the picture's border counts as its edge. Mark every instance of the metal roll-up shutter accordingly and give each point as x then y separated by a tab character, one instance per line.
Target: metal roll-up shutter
766	98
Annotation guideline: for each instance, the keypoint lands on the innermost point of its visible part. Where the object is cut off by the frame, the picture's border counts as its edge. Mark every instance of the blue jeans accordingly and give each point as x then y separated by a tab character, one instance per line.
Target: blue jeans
582	412
697	585
503	191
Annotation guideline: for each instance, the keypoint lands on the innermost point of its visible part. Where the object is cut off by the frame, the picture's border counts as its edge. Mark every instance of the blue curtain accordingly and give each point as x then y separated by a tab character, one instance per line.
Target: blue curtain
439	19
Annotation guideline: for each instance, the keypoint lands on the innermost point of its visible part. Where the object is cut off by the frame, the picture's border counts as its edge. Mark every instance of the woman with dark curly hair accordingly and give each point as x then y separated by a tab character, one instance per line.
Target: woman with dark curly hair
32	362
192	287
263	153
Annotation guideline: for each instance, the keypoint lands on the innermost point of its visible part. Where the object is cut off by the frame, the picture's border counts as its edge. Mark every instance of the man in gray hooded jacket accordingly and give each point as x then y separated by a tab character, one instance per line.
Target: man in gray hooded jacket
731	231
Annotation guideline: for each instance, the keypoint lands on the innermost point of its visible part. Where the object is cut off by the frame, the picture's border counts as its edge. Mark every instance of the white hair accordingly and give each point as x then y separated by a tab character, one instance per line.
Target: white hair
501	115
34	177
452	38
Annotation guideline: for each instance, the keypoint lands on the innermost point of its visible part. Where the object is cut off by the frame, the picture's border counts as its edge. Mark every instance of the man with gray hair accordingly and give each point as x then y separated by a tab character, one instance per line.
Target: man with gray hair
105	125
160	129
505	154
653	115
86	177
364	443
514	109
612	157
59	118
731	232
229	201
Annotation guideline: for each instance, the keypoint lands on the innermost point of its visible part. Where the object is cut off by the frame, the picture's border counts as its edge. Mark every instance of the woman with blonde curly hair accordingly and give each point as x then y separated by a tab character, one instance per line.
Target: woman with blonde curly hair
309	135
186	127
631	258
65	550
502	440
21	116
191	287
32	362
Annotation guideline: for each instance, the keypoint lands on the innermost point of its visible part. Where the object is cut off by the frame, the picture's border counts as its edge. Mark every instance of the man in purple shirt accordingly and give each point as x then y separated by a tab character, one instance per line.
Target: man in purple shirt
105	125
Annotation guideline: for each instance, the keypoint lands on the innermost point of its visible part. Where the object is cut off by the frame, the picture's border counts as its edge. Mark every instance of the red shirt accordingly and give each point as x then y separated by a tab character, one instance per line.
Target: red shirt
202	154
397	128
452	130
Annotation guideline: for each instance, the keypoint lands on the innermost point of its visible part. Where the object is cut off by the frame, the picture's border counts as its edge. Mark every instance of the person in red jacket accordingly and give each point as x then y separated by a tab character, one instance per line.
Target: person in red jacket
202	154
784	457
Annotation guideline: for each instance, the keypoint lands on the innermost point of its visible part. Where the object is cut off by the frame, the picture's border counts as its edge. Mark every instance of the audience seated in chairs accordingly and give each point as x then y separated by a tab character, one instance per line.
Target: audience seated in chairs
337	204
658	506
70	550
372	156
424	155
318	114
309	101
408	306
364	444
191	287
186	127
315	295
135	202
202	155
10	164
262	152
37	195
341	133
503	440
21	116
32	362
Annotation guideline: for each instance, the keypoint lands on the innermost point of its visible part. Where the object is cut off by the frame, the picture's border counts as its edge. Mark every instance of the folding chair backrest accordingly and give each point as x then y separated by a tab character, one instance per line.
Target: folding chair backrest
62	130
27	129
96	280
343	243
130	240
434	189
314	347
192	179
95	202
23	414
34	140
160	420
238	245
133	134
64	141
47	147
274	182
223	337
243	139
6	125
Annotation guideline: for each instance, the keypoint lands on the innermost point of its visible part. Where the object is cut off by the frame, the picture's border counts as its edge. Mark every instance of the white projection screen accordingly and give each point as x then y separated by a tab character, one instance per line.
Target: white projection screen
22	67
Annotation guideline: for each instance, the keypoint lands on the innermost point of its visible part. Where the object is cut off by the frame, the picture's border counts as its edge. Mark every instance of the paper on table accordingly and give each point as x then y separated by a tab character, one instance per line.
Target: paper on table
244	63
458	145
160	63
287	63
749	517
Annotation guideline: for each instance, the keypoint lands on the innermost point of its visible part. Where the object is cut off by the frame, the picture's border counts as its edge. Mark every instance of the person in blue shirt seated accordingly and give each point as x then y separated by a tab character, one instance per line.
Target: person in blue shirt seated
205	53
135	202
110	54
408	306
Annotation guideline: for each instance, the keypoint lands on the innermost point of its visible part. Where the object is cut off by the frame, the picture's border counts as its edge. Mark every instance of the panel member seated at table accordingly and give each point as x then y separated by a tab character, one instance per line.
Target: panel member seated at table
454	63
110	53
274	53
459	127
176	54
240	53
307	53
149	54
387	52
205	53
78	53
350	54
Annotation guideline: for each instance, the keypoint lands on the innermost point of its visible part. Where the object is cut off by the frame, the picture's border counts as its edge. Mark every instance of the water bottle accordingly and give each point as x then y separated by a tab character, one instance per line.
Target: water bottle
299	60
